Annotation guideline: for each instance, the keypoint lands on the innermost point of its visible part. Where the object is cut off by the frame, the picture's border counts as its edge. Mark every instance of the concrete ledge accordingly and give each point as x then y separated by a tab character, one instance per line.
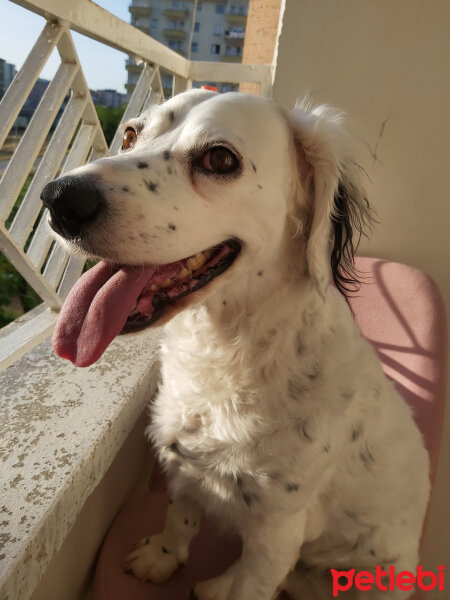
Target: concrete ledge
60	429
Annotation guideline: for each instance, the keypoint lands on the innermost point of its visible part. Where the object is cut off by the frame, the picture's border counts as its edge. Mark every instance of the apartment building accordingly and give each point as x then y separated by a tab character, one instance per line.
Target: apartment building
218	31
7	74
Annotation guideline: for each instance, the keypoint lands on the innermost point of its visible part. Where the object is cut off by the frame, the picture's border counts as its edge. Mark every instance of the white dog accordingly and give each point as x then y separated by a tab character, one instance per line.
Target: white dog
227	218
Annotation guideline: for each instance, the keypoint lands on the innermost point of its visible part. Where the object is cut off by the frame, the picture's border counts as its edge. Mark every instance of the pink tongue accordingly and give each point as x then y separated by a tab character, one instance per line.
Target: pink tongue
96	309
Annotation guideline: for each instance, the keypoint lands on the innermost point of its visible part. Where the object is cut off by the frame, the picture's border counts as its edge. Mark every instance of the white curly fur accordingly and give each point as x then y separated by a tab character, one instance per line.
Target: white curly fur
273	411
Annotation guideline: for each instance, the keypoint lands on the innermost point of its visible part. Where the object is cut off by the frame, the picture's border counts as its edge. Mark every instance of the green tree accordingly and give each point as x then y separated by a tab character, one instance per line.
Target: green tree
109	120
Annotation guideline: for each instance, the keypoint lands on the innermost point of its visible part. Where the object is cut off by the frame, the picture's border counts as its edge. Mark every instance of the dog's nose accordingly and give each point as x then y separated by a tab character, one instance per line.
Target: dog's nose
73	201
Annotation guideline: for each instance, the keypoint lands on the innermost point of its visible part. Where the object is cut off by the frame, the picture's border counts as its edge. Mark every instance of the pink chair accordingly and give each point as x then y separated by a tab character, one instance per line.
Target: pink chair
400	311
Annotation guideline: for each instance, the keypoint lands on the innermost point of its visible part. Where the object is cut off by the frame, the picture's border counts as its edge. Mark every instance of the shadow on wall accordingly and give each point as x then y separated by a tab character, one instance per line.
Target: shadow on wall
401	312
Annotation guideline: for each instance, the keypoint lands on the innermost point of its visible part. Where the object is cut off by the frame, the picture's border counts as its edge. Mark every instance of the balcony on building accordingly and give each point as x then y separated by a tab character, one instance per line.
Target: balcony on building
175	34
140	9
234	38
176	14
132	67
144	27
236	18
231	58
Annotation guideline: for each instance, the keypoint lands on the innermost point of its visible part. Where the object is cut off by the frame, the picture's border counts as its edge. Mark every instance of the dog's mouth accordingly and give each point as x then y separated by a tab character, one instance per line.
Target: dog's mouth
111	299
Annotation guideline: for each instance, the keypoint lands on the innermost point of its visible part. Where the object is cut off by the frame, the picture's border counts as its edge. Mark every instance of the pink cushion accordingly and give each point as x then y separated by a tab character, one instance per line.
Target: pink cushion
400	311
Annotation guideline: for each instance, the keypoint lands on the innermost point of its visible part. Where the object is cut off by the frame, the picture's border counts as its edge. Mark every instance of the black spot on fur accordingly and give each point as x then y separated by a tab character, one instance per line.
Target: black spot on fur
167	155
224	302
164	549
359	541
169	170
174	448
260	273
303	431
125	188
192	595
259	186
186	521
170	501
367	457
356	432
176	208
253	166
142	165
291	487
350	514
313	373
326	448
296	388
147	541
248	499
172	226
348	395
171	116
372	552
151	186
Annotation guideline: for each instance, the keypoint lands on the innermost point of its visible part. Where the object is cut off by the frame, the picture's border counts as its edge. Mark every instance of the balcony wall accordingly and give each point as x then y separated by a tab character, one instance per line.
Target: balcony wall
175	34
234	19
386	64
176	14
260	36
230	58
140	11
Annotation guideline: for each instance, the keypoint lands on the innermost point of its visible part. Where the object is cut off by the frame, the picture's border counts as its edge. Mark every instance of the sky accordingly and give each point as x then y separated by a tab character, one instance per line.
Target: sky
19	29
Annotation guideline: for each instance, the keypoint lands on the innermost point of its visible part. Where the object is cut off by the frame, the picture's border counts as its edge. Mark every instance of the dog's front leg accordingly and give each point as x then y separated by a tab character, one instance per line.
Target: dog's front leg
158	556
270	550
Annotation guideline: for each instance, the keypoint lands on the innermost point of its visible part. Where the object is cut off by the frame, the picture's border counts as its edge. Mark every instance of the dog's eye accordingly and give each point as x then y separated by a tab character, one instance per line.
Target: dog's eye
219	160
129	138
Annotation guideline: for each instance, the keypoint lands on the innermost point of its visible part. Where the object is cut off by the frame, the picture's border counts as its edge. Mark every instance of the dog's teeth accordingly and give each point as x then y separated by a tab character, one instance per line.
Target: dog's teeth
207	254
197	261
167	283
182	273
153	288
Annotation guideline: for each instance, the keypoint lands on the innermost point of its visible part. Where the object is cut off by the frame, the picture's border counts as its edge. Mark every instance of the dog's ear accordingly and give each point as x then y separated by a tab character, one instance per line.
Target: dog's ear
337	211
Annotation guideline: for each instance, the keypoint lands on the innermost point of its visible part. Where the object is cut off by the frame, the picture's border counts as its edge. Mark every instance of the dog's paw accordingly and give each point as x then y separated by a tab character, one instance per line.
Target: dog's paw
152	561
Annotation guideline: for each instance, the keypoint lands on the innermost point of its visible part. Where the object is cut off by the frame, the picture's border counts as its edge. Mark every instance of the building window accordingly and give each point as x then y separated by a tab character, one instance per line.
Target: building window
218	30
176	44
176	25
153	23
220	9
215	49
233	51
194	47
237	10
197	27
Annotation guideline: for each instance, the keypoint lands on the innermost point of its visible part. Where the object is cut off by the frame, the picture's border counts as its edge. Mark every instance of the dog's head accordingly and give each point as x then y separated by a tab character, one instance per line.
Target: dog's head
206	190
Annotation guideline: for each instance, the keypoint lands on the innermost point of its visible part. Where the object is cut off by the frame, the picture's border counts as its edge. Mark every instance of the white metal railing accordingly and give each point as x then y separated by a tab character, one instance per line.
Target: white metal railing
27	243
